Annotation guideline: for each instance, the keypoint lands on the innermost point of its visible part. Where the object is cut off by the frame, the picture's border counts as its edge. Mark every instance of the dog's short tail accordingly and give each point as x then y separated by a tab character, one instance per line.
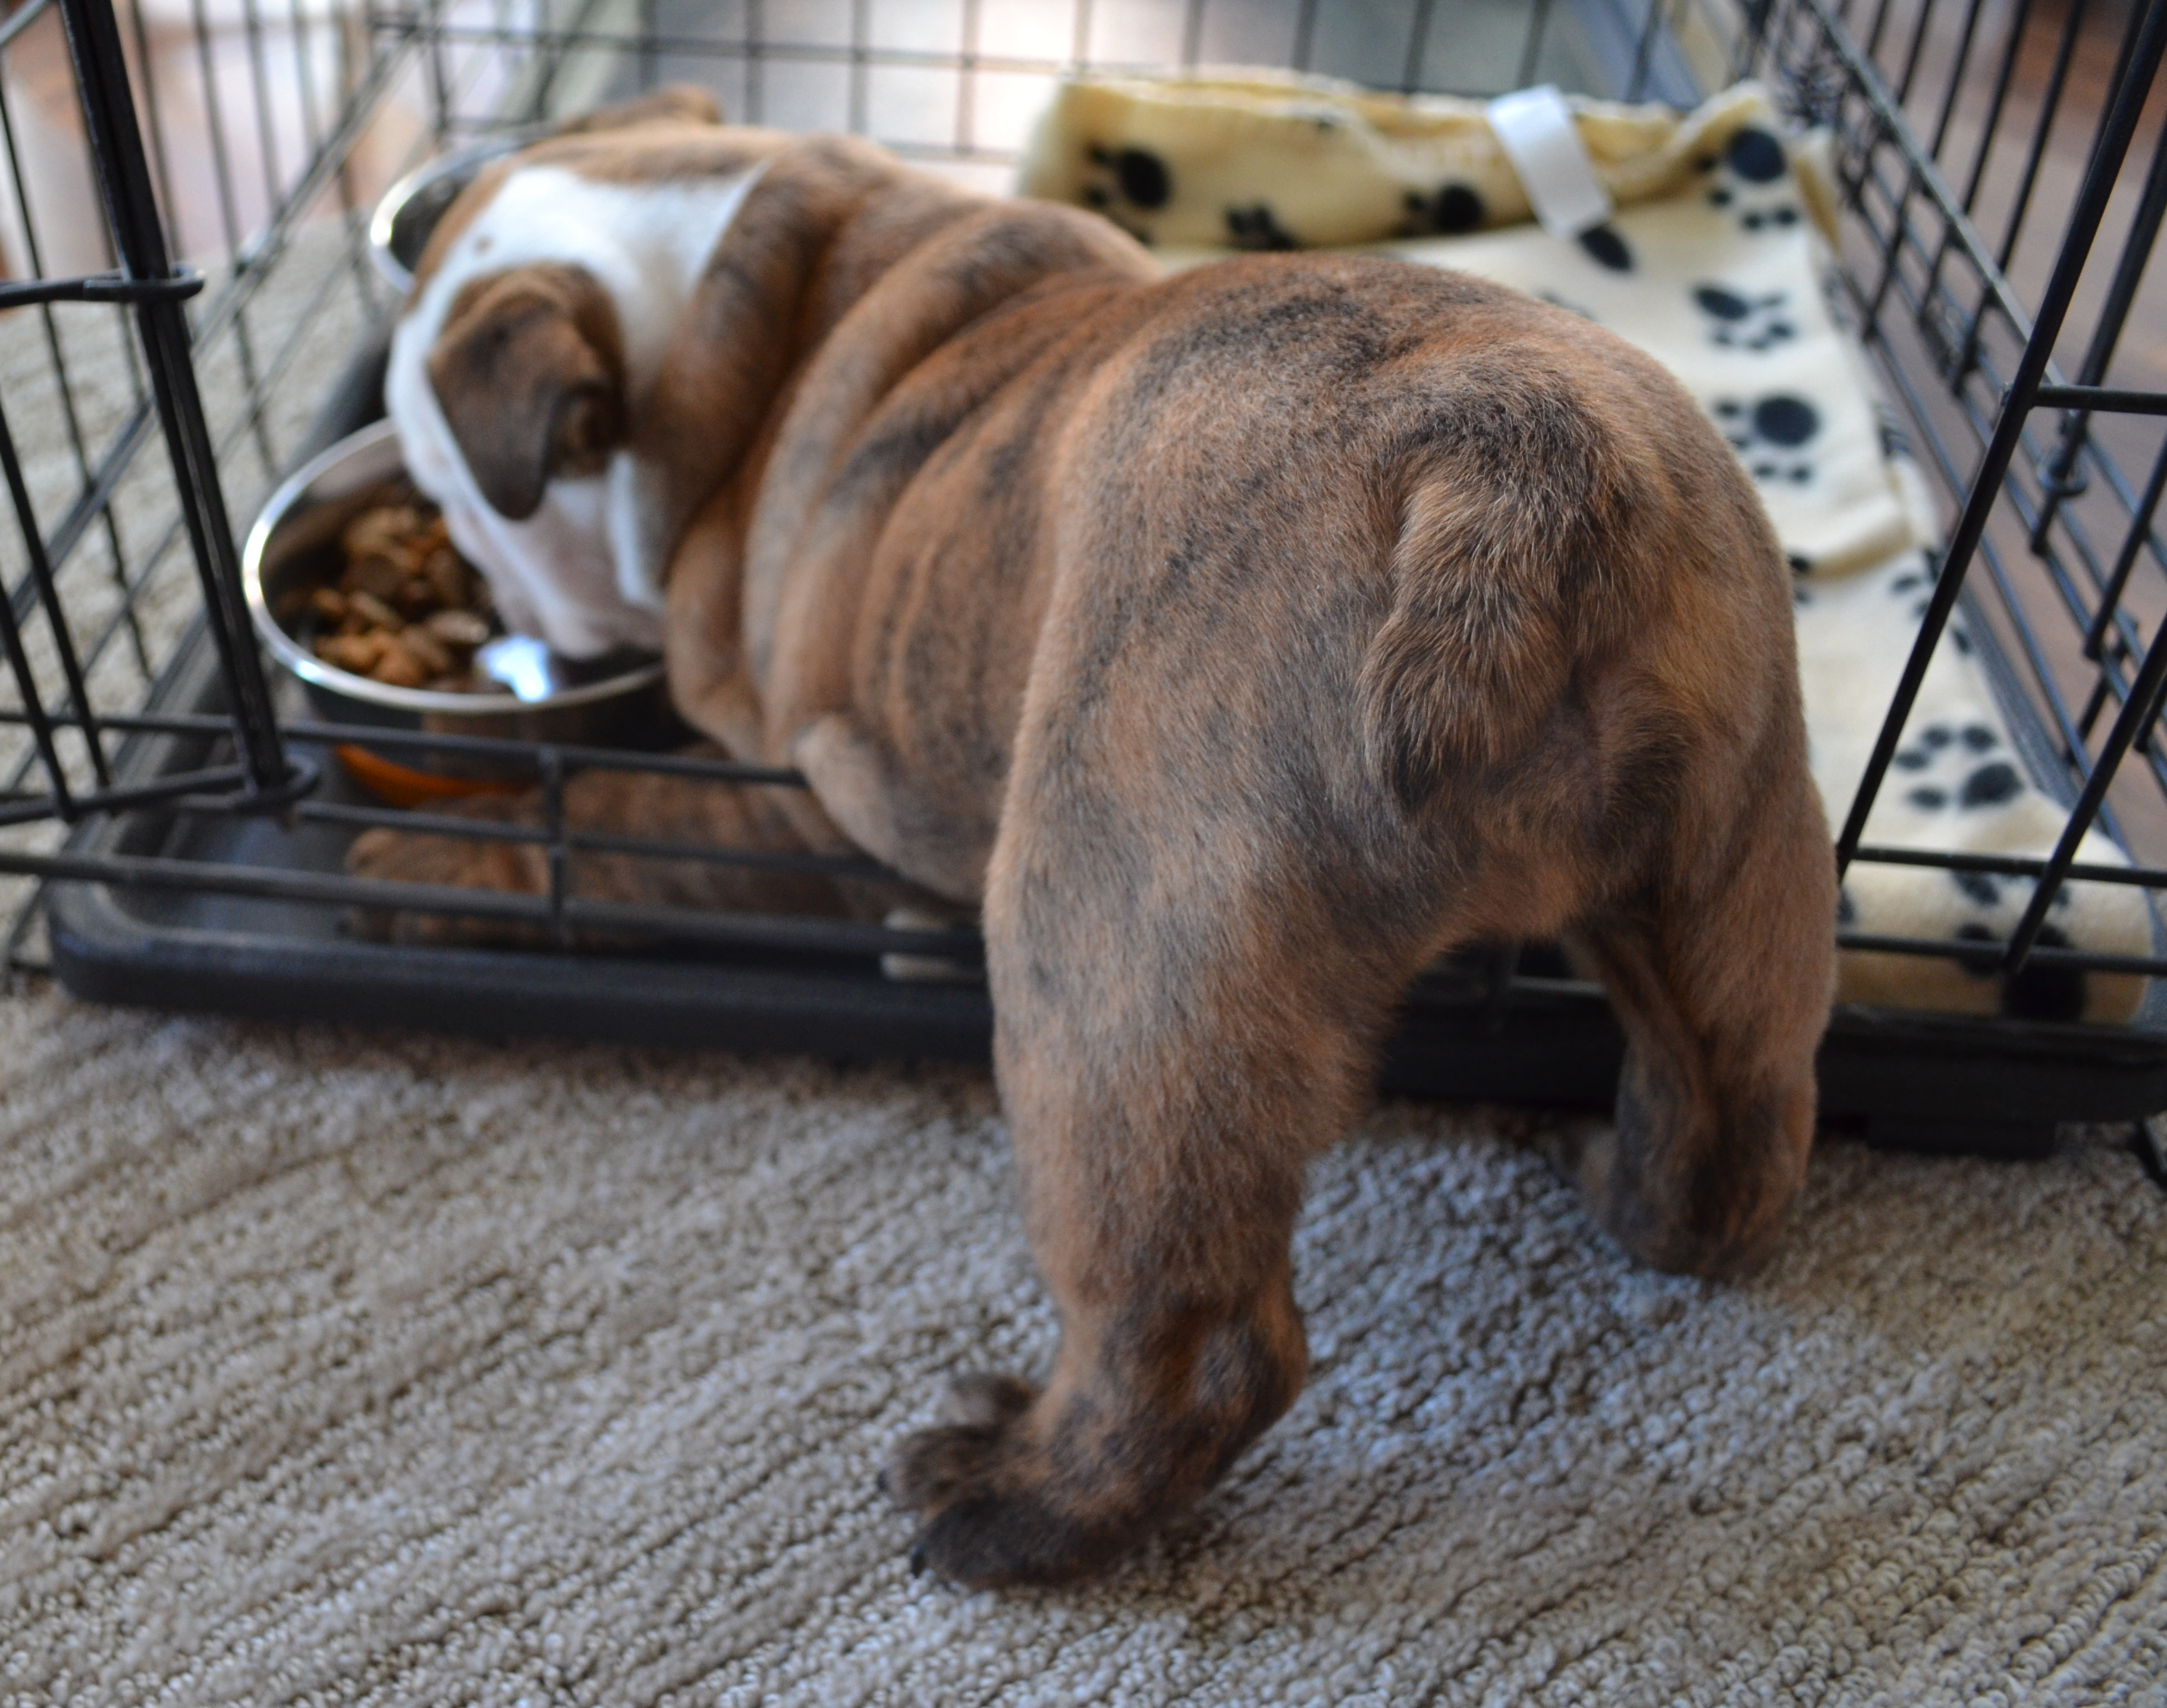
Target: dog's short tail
1497	574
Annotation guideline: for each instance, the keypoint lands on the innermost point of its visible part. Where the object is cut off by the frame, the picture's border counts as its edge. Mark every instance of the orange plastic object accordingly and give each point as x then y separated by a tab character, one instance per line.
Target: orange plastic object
402	786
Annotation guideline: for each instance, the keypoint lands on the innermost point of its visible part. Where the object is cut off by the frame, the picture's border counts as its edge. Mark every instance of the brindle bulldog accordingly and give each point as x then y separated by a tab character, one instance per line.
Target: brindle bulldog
1240	641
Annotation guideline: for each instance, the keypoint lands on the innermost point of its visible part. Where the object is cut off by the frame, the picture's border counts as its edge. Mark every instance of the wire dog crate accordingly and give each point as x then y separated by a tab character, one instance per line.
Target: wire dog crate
173	830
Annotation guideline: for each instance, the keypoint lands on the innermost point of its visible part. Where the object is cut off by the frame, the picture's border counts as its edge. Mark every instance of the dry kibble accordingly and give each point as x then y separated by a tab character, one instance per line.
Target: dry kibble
458	627
426	650
384	530
407	610
367	605
398	667
447	577
357	653
376	574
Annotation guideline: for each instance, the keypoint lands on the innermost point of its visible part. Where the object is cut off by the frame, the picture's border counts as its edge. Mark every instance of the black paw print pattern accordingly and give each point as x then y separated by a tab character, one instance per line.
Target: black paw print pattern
2038	991
1257	227
1127	181
1742	322
1964	769
1606	248
1961	767
1752	181
1445	212
1769	433
1913	586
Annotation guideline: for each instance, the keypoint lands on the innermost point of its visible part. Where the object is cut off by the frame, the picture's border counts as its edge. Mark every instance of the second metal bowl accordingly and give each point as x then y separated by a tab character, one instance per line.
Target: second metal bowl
407	213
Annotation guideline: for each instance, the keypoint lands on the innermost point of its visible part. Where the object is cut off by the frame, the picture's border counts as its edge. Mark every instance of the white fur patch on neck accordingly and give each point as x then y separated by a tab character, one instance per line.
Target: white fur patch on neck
584	571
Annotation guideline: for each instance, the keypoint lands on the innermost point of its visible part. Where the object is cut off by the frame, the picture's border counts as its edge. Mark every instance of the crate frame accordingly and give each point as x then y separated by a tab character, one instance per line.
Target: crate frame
2041	499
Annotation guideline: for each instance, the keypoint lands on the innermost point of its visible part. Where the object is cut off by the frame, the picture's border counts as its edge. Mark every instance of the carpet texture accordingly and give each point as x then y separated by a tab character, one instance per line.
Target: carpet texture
339	1368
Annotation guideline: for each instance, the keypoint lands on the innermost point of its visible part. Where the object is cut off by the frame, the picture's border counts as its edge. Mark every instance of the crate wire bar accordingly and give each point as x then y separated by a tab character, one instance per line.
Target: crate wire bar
2000	419
1950	153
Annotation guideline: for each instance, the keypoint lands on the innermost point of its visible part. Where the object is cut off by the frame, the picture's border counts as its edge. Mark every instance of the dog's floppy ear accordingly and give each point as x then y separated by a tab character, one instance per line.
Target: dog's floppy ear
686	103
529	371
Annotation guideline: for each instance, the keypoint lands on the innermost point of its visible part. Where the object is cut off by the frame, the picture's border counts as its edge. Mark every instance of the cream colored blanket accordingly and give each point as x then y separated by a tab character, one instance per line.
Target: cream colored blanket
1718	263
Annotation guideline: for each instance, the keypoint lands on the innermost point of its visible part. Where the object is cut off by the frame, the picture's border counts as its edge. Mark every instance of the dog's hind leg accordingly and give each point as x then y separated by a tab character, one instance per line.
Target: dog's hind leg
1160	1136
1720	974
1186	1013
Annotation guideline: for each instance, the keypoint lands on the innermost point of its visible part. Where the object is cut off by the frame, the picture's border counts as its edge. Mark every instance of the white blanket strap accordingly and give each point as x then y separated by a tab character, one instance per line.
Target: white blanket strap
1536	129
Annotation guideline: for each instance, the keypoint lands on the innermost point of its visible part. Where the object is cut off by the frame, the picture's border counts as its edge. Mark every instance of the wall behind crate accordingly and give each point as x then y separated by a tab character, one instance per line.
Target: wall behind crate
236	95
234	98
894	70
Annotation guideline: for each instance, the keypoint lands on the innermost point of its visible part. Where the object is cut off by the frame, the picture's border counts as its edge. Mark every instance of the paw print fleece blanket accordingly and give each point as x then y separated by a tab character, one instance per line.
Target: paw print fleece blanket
1717	262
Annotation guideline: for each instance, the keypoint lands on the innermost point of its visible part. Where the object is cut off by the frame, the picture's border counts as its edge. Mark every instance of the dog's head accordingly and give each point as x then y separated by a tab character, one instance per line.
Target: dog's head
529	372
538	322
529	366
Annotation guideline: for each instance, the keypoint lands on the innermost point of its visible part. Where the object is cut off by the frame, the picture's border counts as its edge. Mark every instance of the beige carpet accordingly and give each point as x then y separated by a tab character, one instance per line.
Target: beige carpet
345	1368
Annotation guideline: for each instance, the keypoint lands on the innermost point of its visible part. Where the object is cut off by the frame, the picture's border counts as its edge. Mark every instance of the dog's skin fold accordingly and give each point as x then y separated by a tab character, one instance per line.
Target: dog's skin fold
1240	641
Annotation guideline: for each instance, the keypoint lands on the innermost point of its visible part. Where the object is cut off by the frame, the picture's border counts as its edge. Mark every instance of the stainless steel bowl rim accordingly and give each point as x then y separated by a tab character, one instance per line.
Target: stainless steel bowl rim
310	668
477	154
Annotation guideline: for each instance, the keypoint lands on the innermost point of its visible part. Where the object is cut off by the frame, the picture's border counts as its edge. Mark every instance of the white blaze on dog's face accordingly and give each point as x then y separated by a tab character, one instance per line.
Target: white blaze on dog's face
516	377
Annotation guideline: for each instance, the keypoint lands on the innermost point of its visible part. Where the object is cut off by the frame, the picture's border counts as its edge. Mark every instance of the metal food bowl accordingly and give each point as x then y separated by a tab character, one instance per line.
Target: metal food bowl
400	228
618	701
